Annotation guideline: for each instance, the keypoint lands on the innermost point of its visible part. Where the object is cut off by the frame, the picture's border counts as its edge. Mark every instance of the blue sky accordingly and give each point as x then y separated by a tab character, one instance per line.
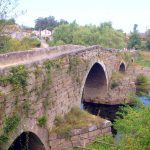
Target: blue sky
122	13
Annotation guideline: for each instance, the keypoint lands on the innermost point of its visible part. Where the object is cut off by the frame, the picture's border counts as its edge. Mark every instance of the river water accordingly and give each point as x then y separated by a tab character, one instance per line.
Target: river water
109	111
145	100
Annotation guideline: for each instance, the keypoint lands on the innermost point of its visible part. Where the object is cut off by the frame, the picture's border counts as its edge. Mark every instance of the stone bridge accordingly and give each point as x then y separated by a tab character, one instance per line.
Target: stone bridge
49	82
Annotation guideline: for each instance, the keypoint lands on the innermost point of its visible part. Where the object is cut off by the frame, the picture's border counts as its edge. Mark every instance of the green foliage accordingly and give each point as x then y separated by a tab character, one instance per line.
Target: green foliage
57	43
147	40
143	59
10	124
8	44
126	56
30	42
103	35
134	99
65	32
133	126
142	83
148	44
48	23
42	121
48	65
103	143
8	22
141	80
18	77
134	41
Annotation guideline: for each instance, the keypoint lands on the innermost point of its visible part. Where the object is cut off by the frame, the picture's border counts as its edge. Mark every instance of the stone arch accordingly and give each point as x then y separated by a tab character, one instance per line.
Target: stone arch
122	67
132	60
27	140
95	82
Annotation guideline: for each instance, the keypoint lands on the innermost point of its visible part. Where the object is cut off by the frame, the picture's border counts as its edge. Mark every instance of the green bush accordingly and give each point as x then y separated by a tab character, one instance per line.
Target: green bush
133	126
8	44
42	121
10	124
31	42
142	83
56	43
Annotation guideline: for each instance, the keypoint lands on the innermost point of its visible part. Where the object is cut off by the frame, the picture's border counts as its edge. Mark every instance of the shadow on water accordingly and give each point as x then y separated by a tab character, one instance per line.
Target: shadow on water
105	111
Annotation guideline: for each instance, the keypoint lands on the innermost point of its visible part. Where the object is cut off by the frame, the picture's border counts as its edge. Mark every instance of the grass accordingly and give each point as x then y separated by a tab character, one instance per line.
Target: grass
144	59
42	121
75	119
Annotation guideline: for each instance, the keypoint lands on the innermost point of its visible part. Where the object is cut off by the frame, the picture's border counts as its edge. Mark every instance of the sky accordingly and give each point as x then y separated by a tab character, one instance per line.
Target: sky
122	13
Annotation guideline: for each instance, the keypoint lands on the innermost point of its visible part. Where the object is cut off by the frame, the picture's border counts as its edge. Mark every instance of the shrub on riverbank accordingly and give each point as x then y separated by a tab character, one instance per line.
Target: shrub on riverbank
133	127
142	83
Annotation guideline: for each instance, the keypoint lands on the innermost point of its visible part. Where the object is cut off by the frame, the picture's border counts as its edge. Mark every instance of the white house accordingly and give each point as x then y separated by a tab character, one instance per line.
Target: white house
44	33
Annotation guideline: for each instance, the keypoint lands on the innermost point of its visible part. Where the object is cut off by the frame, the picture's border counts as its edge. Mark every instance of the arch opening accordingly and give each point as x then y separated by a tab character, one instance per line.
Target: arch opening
95	87
122	68
132	60
27	141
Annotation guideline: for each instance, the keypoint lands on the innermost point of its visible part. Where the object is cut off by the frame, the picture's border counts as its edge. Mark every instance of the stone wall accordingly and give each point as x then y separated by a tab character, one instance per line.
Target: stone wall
79	137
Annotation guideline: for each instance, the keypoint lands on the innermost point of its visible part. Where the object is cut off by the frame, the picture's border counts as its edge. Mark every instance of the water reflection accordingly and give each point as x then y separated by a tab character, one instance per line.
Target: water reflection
145	100
109	112
105	111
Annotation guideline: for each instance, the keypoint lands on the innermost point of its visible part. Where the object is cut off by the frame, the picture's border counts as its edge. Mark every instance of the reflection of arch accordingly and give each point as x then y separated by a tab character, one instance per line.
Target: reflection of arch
122	67
95	82
27	140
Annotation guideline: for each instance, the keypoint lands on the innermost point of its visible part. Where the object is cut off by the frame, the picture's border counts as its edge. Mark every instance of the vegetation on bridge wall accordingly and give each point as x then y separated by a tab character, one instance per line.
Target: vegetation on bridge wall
9	126
19	78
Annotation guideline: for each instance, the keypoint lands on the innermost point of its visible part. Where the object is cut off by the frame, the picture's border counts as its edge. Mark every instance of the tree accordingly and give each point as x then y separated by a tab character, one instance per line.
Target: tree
103	35
46	23
65	32
147	33
134	40
7	10
106	25
62	21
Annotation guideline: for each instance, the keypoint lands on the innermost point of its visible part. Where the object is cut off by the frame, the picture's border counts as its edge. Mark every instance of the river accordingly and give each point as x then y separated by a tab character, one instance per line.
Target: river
109	111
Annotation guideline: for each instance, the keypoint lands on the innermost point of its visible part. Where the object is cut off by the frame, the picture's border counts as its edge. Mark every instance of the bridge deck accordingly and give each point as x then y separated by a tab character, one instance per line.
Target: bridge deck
31	56
39	54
